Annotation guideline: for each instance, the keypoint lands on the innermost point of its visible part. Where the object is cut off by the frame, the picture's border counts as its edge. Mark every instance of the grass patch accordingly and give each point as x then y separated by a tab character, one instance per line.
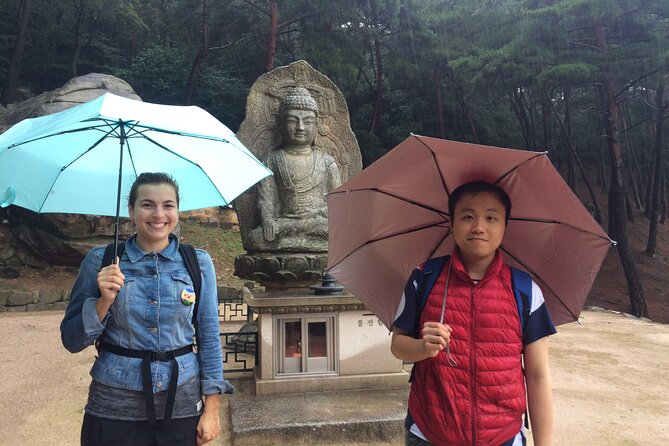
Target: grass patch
223	245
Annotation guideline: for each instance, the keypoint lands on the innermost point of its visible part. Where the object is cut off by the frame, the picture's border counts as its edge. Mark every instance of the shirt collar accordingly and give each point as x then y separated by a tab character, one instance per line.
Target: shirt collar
135	253
492	270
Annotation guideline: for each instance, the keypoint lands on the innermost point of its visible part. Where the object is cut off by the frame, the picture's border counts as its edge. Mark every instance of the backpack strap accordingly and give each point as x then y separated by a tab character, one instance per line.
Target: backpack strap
521	283
108	257
193	266
431	270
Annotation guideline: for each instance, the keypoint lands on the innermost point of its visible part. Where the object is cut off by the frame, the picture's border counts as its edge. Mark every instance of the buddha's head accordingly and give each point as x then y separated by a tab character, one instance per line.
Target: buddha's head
298	118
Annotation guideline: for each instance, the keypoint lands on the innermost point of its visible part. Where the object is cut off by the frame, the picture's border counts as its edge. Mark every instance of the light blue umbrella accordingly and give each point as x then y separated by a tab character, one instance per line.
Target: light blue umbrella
84	159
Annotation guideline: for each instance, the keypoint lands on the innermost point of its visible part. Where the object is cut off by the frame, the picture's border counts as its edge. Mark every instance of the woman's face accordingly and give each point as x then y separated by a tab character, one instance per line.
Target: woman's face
155	214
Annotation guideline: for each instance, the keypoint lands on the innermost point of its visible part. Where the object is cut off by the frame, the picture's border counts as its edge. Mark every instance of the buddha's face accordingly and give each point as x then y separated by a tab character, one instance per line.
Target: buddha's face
300	127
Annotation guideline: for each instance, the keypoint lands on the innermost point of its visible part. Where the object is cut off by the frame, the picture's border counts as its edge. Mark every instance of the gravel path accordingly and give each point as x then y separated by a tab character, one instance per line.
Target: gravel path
610	379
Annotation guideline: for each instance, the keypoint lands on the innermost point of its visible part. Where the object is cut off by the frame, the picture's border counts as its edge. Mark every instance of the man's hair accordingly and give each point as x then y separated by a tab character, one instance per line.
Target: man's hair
476	187
154	178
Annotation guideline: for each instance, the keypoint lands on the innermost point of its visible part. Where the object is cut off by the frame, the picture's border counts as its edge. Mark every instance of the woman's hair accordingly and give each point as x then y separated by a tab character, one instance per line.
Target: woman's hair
154	178
475	187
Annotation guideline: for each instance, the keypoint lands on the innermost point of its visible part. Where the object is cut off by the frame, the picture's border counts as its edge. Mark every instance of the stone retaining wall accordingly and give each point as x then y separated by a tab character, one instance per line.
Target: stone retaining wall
17	301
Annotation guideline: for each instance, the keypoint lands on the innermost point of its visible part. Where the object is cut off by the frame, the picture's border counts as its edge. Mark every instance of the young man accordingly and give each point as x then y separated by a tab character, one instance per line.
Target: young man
467	385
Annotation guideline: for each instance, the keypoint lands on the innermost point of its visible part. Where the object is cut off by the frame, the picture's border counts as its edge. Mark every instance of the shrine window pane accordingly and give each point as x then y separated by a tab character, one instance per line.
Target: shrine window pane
293	339
306	345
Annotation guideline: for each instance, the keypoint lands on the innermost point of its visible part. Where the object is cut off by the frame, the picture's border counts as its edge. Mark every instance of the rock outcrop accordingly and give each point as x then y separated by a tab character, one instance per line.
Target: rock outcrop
27	238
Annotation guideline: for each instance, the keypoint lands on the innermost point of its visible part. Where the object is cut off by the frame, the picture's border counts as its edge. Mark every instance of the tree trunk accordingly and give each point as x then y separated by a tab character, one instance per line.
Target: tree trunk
629	211
545	118
438	84
201	55
466	111
571	155
617	190
272	36
648	193
654	203
664	199
77	38
601	171
522	118
378	99
567	134
14	68
635	181
528	116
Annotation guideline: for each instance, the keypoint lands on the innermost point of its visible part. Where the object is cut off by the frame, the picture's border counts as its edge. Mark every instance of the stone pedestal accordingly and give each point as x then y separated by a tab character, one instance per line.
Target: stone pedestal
276	271
358	345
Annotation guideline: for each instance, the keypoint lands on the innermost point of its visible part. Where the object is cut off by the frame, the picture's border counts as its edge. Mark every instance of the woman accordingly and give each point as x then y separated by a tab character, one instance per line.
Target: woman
143	305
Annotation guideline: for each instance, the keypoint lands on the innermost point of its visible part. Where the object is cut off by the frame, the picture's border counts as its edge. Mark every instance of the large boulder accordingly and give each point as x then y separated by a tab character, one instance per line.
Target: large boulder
57	239
76	91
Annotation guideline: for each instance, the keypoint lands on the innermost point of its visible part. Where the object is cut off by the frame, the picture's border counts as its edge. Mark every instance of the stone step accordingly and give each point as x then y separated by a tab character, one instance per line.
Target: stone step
324	418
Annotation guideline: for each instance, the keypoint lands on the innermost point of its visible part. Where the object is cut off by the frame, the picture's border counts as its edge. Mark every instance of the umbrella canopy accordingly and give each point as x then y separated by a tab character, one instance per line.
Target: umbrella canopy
82	160
393	216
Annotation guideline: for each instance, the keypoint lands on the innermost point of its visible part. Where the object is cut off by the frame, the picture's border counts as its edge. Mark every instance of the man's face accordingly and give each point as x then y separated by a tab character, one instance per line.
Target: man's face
301	127
478	226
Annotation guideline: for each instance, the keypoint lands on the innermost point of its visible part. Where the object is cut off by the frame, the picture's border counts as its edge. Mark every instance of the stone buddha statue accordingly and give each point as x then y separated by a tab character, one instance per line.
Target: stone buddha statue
292	203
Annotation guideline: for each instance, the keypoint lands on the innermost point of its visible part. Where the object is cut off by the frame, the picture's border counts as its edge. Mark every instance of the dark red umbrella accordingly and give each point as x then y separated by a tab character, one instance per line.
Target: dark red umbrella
393	216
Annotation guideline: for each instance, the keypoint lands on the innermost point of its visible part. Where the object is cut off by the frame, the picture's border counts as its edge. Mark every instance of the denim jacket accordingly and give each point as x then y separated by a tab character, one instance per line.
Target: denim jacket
148	314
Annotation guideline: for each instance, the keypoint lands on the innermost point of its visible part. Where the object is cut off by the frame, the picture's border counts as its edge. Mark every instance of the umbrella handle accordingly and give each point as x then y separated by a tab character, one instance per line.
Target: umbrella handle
451	361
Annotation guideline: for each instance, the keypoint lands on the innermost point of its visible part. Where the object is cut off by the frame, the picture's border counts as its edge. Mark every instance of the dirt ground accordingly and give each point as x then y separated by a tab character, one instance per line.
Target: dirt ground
610	372
609	377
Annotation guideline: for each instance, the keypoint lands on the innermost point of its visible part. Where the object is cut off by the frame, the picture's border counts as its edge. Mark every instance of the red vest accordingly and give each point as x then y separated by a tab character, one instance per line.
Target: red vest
481	400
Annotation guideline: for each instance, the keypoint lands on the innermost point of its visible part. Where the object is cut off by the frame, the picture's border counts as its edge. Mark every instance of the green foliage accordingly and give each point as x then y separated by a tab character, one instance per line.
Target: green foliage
159	74
568	73
222	245
370	147
222	95
497	65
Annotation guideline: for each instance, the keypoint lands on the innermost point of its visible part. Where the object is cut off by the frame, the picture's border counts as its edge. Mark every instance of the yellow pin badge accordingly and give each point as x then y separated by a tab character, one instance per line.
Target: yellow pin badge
188	296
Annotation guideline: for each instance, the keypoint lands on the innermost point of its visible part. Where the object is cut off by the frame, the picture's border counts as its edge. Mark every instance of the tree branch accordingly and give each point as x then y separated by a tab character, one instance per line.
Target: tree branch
291	21
250	3
228	45
587	45
630	84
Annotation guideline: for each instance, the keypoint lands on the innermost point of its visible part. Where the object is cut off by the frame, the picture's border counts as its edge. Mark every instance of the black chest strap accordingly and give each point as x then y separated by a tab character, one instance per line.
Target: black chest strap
147	382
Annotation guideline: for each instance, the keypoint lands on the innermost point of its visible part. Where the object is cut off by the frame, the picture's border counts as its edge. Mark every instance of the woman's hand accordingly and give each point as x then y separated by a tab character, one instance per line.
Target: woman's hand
209	426
110	281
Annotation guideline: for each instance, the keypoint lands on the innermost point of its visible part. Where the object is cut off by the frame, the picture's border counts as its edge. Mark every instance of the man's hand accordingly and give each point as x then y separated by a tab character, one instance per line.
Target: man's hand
435	338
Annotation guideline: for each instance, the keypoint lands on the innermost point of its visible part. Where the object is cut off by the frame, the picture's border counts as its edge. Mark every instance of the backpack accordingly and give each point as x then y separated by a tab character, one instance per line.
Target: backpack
190	259
521	283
